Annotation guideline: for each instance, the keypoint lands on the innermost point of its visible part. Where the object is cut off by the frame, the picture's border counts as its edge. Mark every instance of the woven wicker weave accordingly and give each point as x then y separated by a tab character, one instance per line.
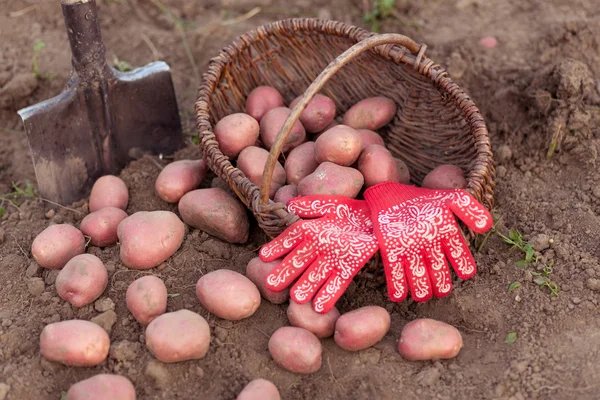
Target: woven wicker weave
436	123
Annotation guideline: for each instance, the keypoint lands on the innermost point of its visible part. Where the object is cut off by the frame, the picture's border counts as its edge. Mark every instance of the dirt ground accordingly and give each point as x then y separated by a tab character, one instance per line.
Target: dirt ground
541	81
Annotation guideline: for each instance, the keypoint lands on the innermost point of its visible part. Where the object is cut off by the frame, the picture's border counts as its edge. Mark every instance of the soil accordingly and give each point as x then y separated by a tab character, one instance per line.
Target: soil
539	85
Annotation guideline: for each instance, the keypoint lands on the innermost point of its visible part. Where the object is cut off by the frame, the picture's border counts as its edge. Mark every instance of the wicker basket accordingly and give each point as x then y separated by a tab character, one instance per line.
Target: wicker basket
436	122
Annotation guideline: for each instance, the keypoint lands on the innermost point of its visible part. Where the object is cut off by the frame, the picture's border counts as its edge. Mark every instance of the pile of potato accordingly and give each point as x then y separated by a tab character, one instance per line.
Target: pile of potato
321	155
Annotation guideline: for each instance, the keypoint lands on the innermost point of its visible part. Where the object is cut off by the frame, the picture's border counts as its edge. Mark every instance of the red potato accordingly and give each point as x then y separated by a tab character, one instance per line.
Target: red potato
235	132
149	237
109	191
179	178
75	342
403	171
82	280
369	137
330	178
361	328
286	193
252	161
445	177
372	113
340	145
228	294
272	123
377	165
259	389
296	350
146	298
261	100
318	113
102	387
303	316
56	245
428	339
217	213
178	336
257	271
101	226
300	163
328	127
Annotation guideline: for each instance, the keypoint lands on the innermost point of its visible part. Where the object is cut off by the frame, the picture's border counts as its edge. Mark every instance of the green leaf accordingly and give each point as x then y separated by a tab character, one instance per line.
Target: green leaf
529	253
540	280
514	235
63	395
2	211
522	263
511	338
38	46
513	286
534	273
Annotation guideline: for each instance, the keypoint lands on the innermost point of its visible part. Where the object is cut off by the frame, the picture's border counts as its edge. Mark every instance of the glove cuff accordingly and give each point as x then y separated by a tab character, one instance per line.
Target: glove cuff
388	194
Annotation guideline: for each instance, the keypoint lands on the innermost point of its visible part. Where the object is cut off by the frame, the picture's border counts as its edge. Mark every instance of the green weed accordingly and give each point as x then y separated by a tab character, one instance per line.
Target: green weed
382	10
36	70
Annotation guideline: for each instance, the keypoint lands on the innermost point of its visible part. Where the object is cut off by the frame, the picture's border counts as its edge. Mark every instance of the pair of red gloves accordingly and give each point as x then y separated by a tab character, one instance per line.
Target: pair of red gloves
413	228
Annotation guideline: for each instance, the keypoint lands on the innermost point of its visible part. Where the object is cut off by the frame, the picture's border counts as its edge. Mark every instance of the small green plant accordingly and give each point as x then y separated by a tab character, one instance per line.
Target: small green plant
511	338
18	192
516	240
382	10
36	70
543	280
121	65
514	286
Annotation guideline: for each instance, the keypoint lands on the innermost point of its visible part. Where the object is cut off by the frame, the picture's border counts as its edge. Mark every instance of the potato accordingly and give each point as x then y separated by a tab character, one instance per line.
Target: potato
340	145
179	178
56	245
286	193
318	113
149	237
361	328
428	339
257	271
146	298
109	191
445	177
215	212
261	100
369	137
328	127
300	163
235	132
82	280
101	226
330	178
272	123
102	387
303	316
403	171
377	165
178	336
74	342
296	350
228	294
371	113
252	161
259	389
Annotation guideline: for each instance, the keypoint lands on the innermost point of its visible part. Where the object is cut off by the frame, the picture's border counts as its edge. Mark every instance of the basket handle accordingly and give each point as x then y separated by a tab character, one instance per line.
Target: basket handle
317	85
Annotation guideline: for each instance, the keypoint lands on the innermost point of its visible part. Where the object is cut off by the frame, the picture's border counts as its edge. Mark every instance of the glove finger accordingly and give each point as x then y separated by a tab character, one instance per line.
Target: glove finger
458	253
394	276
291	267
470	211
320	205
439	272
417	277
283	243
308	284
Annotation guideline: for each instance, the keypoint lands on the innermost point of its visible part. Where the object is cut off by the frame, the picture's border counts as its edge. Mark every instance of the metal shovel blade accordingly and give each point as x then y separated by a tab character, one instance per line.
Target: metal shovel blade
102	118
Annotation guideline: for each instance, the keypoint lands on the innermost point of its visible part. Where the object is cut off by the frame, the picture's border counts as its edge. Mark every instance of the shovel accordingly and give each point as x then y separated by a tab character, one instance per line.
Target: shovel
102	119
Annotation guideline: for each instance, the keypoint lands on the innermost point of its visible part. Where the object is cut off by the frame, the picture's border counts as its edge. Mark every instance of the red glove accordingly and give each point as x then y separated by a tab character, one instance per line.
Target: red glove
417	231
329	250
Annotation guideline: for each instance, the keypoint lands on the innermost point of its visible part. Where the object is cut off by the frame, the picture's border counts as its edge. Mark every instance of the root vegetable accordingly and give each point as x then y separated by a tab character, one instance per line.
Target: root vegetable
102	387
377	165
286	193
235	132
257	271
403	171
369	137
303	316
271	124
372	113
178	336
361	328
179	178
296	350
340	145
101	226
259	389
318	114
75	343
109	191
445	177
149	237
217	213
428	339
300	163
330	178
228	294
56	245
252	161
82	280
146	298
261	100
